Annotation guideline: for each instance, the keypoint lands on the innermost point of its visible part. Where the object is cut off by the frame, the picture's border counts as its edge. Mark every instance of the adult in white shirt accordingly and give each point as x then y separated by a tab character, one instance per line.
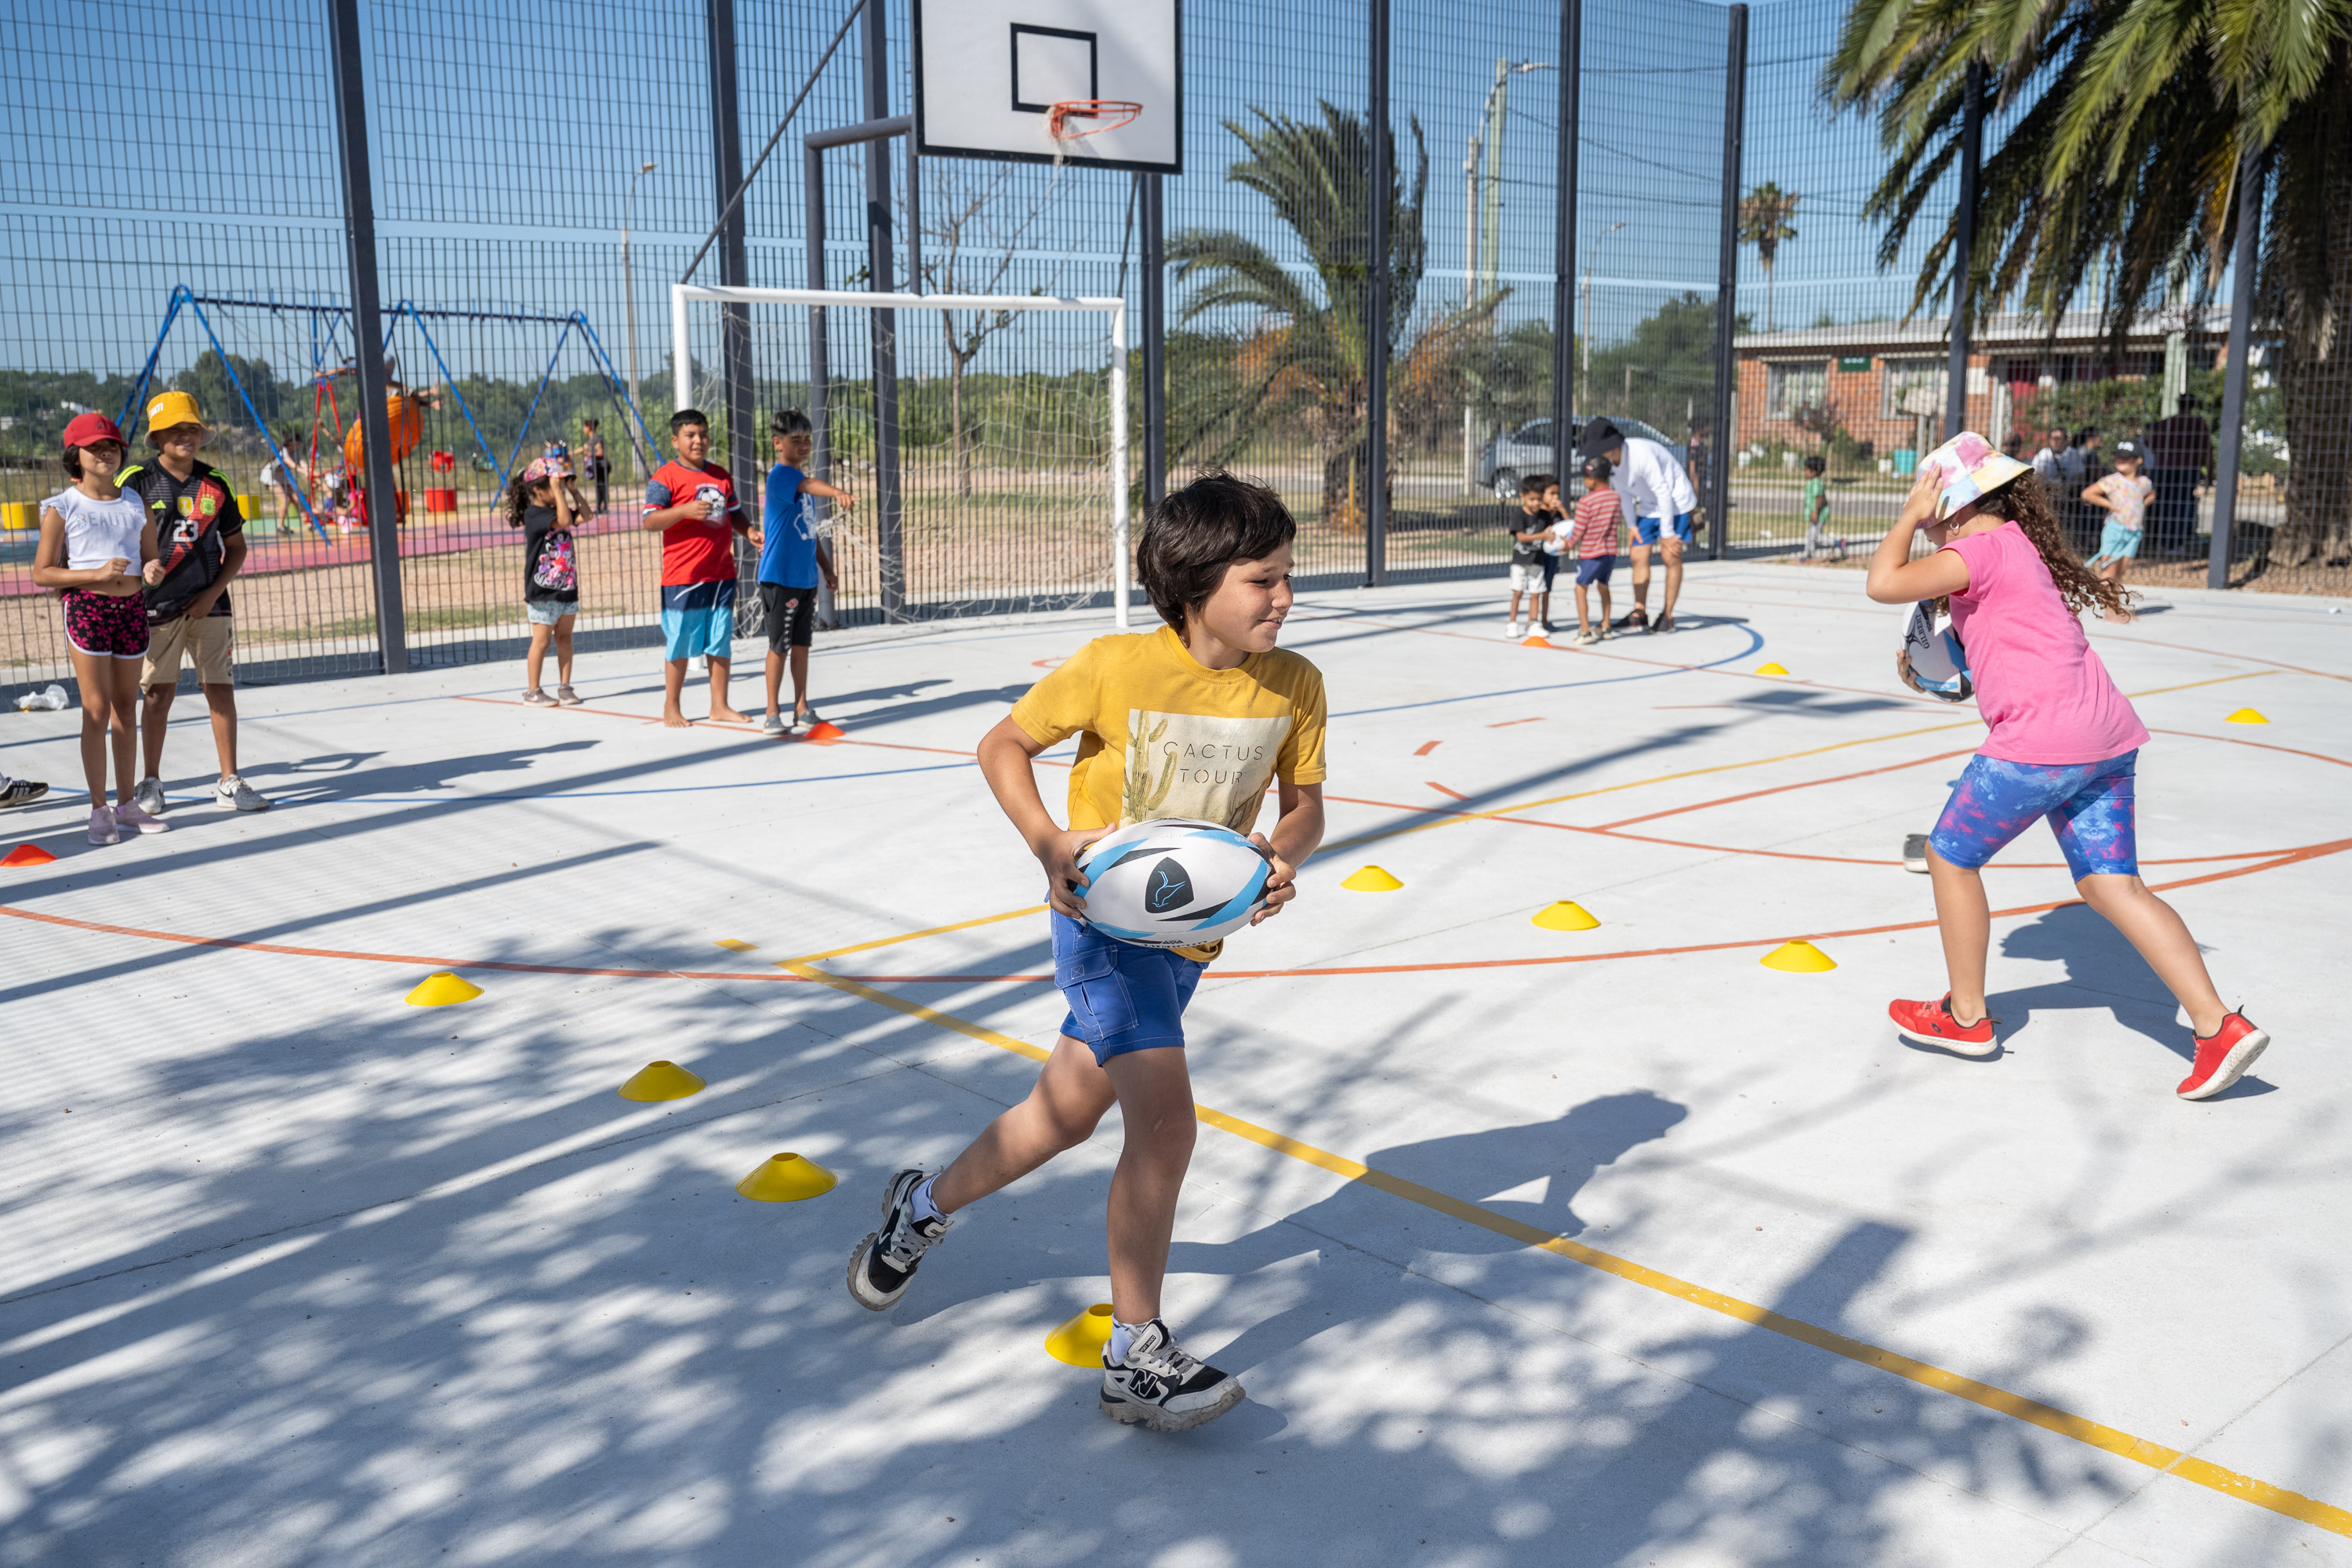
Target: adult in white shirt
2060	463
1658	500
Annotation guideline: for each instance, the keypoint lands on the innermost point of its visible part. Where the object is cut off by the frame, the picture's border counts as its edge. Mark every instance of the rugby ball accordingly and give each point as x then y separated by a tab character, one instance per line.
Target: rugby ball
1174	882
1932	662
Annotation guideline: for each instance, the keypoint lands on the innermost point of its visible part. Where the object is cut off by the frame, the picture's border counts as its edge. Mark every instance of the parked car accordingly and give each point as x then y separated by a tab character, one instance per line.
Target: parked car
1529	449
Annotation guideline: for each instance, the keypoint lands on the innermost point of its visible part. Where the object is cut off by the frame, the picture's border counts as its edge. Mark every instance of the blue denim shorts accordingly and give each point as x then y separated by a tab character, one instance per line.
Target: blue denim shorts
1122	997
2089	805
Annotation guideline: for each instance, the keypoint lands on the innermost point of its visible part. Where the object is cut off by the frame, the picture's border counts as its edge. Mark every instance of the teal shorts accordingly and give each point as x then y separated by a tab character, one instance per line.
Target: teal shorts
2117	543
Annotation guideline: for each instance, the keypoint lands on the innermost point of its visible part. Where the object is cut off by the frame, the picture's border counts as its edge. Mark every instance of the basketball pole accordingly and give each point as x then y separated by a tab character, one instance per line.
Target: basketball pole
1154	293
1964	247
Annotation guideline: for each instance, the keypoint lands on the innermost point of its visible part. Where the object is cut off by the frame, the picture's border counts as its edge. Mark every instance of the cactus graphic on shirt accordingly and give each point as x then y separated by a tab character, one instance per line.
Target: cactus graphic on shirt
1196	765
1140	800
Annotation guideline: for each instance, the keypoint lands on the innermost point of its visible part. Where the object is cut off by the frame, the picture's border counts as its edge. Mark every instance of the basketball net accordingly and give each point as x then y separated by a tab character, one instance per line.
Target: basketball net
1111	112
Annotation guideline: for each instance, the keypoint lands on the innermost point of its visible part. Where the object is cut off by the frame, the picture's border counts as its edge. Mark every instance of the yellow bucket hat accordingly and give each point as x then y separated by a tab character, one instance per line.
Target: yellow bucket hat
166	409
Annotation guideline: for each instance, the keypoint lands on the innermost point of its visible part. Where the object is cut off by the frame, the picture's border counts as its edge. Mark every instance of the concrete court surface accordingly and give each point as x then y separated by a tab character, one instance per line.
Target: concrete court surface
299	1274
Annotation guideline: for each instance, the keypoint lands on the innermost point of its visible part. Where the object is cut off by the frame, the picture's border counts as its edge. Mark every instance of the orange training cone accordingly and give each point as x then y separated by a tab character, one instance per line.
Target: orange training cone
825	730
1538	640
27	855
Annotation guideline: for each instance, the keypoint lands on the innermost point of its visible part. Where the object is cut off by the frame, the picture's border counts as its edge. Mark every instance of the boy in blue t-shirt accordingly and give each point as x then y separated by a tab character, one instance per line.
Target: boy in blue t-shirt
791	556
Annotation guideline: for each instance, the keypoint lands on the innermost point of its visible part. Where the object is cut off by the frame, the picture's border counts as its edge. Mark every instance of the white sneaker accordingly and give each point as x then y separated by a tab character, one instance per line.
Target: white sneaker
1586	639
1160	1387
102	826
149	796
236	794
1512	631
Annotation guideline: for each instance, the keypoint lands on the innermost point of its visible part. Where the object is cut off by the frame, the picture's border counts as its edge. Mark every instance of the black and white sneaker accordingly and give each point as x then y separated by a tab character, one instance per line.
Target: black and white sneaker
1915	853
21	791
1160	1387
883	1265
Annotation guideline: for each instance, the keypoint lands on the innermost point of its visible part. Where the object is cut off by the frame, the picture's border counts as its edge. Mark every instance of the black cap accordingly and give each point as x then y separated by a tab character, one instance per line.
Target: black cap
2130	449
1601	437
1599	468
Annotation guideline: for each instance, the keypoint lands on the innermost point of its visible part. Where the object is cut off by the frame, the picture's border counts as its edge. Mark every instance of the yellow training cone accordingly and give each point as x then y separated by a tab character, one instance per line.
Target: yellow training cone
786	1179
2246	716
661	1080
1799	958
734	944
1080	1341
1772	670
1372	880
1565	916
442	989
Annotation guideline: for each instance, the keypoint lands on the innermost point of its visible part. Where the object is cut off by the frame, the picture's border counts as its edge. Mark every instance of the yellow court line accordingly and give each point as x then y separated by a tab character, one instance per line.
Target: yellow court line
2049	1417
1453	819
910	936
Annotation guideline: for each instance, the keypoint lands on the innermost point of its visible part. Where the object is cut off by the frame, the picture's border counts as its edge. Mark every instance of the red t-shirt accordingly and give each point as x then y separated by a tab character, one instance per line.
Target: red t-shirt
1594	532
695	552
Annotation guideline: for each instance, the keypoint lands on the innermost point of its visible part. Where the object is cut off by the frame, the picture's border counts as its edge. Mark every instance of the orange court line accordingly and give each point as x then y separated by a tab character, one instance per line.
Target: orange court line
2034	1412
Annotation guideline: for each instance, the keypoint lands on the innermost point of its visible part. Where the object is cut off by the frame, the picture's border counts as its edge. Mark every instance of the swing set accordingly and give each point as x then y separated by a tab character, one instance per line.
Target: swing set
328	360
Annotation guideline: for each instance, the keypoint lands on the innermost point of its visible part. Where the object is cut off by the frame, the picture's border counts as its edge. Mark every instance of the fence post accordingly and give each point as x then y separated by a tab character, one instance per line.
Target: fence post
1155	344
2233	377
734	266
1726	289
1563	245
1964	246
888	519
1376	310
367	337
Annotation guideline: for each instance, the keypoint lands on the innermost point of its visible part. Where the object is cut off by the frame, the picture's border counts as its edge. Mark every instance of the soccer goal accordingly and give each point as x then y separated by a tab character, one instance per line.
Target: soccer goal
989	458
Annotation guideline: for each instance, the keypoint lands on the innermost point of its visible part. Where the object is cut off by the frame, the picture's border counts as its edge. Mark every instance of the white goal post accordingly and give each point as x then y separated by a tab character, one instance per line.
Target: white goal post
682	368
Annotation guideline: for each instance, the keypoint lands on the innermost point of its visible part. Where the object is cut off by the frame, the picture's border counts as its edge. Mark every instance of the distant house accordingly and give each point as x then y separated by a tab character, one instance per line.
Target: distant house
1888	379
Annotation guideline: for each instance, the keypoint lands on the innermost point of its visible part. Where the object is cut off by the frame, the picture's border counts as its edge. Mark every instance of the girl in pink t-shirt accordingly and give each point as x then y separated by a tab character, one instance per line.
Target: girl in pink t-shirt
2062	746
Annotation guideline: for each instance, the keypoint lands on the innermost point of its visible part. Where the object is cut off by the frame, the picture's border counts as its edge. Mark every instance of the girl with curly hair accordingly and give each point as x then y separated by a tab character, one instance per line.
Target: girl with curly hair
2063	745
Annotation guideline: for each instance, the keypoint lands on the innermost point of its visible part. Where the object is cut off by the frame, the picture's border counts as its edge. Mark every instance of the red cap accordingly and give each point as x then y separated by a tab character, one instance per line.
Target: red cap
89	429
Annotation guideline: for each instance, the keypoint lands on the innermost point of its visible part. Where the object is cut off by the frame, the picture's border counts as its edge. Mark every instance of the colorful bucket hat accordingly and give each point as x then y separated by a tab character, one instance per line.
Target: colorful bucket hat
546	469
1969	468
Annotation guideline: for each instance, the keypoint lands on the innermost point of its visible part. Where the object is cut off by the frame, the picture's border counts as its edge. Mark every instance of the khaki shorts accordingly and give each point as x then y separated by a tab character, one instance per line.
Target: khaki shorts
205	642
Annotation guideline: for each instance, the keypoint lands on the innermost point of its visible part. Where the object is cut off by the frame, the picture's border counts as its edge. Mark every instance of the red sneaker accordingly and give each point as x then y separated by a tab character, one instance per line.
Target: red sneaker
1932	1023
2223	1057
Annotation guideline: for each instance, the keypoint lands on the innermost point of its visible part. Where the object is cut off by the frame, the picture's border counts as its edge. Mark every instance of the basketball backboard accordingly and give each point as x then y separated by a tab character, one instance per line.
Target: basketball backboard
989	72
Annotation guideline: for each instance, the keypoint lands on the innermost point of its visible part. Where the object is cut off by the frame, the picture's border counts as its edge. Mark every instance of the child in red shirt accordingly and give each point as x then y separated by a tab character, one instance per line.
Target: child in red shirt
692	502
1591	541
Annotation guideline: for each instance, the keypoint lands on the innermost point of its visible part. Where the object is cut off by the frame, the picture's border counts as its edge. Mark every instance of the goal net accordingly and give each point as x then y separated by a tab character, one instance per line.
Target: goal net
989	458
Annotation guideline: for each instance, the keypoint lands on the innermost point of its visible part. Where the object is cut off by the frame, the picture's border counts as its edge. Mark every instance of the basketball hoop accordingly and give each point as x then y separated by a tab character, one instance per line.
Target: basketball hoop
1116	112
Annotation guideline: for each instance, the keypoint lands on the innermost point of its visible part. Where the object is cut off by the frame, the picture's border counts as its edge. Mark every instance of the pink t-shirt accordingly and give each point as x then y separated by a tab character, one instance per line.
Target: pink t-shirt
2042	690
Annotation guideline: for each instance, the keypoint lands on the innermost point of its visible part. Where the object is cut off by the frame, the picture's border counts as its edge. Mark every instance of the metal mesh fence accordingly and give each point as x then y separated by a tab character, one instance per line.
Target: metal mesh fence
530	227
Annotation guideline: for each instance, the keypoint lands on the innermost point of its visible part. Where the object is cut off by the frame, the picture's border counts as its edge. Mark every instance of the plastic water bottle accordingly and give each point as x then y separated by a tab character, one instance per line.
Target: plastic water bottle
52	700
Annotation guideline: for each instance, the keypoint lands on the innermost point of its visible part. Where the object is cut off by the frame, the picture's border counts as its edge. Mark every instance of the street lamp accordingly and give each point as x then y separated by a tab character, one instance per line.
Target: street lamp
1482	162
629	301
1584	368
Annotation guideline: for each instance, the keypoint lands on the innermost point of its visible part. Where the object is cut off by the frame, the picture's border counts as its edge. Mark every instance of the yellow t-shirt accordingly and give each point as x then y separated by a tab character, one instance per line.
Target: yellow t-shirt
1161	736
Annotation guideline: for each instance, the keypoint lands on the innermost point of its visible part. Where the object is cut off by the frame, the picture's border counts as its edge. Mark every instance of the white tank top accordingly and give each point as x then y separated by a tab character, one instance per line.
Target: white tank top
97	531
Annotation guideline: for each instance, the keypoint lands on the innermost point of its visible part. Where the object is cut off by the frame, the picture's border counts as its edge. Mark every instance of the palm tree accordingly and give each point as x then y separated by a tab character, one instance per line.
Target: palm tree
1764	215
1303	352
2131	126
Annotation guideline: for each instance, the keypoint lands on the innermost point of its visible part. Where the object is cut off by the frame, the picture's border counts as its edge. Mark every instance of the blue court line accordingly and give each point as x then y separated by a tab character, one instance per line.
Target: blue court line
1755	643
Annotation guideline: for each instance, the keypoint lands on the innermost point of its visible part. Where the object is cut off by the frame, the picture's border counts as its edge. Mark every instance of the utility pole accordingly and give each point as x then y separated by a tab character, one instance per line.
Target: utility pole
2233	377
1482	219
1565	324
1584	370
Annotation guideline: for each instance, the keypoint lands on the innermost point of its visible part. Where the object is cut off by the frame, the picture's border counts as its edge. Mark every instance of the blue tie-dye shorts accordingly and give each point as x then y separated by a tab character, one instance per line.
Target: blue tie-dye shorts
2089	805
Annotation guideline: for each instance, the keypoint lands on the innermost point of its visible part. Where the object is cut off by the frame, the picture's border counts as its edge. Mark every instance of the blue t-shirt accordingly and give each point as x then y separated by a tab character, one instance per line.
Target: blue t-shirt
789	554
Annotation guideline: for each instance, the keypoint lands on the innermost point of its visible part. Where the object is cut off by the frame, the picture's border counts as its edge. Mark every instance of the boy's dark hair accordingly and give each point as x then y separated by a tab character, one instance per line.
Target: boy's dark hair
1195	533
1536	484
1817	464
588	424
1600	469
789	421
686	416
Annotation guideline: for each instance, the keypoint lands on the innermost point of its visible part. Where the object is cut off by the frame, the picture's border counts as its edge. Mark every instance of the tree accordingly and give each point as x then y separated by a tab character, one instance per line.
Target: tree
1303	348
973	224
1671	356
1764	215
2130	130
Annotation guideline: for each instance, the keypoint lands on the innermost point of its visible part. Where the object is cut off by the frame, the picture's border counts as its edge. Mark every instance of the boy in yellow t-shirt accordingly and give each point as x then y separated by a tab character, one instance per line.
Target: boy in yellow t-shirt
1194	719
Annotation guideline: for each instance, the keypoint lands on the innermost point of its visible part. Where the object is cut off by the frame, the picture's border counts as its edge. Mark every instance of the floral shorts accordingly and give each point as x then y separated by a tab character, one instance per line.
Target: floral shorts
104	626
2089	805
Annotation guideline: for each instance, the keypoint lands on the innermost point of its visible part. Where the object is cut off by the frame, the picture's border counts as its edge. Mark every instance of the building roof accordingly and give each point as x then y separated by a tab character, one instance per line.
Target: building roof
2004	330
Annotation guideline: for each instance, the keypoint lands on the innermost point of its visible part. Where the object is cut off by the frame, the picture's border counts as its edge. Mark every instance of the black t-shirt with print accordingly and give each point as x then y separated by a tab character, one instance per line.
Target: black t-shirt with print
194	518
1522	553
551	563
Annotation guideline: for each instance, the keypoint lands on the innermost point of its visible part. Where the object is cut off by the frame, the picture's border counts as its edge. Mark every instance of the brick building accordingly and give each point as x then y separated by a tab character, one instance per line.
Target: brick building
1887	379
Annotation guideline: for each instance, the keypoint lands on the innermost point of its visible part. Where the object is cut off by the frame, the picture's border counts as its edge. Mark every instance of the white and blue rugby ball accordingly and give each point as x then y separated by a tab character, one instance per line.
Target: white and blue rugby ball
1174	882
1932	662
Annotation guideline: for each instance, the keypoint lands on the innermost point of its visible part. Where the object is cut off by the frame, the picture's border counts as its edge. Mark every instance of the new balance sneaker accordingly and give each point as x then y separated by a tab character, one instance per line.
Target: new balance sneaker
1159	1386
149	796
1915	853
2223	1057
101	824
236	794
137	821
1932	1023
883	1265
